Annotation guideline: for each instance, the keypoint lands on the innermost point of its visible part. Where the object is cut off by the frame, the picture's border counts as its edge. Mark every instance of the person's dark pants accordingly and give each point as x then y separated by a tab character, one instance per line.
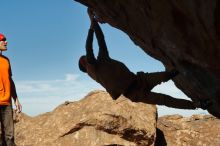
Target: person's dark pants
145	82
7	126
153	79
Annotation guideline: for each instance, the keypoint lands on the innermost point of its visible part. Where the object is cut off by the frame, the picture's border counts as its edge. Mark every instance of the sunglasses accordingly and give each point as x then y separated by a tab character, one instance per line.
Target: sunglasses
3	39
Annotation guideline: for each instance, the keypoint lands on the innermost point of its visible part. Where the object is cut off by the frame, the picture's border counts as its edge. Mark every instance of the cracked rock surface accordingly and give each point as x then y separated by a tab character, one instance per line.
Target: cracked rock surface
197	130
96	120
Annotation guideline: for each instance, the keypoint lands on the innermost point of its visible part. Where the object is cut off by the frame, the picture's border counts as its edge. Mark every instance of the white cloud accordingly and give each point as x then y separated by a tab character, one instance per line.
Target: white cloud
71	77
44	95
45	85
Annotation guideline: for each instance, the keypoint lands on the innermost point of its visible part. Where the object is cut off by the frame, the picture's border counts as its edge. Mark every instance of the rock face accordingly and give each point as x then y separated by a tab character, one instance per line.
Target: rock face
181	34
191	131
96	120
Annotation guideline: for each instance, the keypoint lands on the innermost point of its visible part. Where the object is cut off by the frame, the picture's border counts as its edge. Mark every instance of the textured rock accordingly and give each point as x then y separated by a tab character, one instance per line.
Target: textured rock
96	120
191	131
182	34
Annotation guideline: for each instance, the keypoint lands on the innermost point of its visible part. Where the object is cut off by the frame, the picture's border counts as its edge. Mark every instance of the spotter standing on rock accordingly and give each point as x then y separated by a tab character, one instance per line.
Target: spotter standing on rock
7	91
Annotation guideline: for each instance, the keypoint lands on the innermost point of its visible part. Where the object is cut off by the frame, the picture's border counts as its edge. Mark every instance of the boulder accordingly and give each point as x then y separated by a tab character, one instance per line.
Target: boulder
96	120
197	130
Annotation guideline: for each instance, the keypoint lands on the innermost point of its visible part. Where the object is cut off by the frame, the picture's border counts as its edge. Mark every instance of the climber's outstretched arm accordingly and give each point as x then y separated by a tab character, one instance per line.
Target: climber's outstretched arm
89	41
103	51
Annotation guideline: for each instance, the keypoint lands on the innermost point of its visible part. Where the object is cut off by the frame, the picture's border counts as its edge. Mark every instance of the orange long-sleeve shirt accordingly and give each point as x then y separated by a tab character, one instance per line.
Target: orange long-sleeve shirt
5	83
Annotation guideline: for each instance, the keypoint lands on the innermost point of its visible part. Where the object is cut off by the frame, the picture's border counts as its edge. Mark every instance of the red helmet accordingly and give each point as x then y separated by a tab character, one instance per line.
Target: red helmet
2	37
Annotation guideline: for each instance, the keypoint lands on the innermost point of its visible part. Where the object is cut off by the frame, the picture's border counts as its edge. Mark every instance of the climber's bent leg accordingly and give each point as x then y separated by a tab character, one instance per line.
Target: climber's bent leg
153	79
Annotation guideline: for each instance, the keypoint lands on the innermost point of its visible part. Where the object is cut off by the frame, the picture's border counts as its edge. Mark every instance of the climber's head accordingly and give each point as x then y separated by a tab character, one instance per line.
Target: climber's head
82	63
3	43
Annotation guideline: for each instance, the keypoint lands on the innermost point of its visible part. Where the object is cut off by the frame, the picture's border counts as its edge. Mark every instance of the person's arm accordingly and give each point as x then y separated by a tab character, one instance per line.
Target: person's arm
13	89
14	93
15	97
89	49
103	51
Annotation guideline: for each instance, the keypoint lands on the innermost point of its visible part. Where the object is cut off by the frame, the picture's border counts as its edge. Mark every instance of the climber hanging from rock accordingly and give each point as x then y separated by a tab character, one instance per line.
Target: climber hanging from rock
117	79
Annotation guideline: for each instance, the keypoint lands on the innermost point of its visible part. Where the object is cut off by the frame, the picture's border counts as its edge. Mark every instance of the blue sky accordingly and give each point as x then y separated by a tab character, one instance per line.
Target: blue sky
45	40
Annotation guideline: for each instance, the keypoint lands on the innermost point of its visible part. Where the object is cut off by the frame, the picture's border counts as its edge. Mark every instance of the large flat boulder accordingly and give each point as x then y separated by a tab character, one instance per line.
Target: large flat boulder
96	120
